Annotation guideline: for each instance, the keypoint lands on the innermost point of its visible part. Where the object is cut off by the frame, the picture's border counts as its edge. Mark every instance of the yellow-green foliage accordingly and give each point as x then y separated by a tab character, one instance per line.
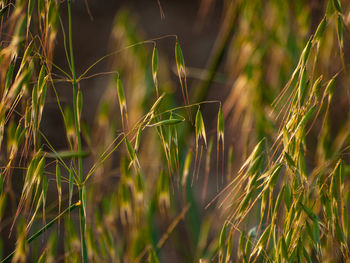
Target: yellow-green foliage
130	185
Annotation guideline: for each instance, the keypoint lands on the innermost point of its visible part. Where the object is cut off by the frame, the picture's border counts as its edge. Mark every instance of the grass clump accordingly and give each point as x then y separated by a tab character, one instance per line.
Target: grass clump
132	187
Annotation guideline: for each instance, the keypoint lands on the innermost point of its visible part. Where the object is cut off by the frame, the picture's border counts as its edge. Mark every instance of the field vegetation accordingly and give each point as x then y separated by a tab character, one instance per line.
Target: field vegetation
243	160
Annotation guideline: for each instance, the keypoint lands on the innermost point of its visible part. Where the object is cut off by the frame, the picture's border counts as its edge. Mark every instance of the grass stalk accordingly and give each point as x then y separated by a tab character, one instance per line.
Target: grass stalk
44	228
76	120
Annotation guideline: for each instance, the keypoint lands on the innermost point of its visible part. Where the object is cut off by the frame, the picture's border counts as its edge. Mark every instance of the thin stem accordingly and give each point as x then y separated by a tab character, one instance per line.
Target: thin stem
44	228
78	137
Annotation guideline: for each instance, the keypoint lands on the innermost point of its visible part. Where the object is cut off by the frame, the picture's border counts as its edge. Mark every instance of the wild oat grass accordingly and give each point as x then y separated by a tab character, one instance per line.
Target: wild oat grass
142	182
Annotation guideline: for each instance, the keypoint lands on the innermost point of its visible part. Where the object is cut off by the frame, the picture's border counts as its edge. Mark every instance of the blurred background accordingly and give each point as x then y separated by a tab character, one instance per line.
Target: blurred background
195	24
239	55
